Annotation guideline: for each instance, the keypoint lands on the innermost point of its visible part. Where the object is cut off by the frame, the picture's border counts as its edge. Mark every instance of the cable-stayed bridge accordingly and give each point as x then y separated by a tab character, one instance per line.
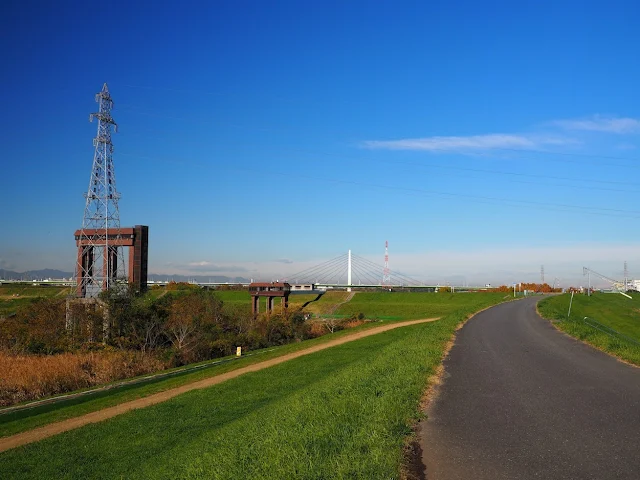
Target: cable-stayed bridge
350	270
345	271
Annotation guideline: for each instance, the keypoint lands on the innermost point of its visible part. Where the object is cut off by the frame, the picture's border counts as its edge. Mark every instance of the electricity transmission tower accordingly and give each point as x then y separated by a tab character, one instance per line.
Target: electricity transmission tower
386	276
100	262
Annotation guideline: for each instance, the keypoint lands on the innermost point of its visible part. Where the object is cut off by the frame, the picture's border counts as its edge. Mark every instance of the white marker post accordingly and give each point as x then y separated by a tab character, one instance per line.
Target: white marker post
570	302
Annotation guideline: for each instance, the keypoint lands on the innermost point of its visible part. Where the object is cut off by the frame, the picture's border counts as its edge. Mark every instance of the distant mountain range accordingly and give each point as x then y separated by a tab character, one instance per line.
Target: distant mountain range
34	274
155	277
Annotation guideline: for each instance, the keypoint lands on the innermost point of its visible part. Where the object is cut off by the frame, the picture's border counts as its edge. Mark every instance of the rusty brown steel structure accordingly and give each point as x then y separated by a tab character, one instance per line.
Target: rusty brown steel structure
269	290
135	238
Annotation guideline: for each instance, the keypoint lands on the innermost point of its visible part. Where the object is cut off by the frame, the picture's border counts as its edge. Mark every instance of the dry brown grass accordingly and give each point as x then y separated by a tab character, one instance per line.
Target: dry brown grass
30	377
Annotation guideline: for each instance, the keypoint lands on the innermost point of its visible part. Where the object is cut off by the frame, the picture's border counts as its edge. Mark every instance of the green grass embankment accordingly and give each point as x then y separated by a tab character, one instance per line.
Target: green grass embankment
237	298
611	310
327	303
22	420
344	412
405	305
14	296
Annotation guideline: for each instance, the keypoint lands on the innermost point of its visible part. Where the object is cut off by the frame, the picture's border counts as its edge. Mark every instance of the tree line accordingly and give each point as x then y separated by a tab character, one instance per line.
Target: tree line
183	326
530	287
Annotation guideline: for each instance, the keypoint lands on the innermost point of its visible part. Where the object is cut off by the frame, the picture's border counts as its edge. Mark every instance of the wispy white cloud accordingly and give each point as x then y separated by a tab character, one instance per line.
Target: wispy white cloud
202	263
598	123
473	142
497	141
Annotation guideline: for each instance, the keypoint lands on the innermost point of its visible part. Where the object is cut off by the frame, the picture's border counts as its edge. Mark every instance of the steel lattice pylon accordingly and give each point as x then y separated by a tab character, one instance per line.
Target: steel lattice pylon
386	277
100	264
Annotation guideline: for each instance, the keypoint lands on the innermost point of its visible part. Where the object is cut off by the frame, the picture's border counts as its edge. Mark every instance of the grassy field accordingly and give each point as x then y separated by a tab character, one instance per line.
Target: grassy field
14	296
155	292
404	305
341	413
376	305
327	303
612	310
236	298
227	296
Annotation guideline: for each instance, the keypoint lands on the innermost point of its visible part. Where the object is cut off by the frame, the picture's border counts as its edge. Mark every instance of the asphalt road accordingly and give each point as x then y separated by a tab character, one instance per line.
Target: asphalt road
521	400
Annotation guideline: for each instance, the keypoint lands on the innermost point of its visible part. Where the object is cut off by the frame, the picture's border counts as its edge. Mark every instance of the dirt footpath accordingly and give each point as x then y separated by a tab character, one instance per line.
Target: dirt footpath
46	431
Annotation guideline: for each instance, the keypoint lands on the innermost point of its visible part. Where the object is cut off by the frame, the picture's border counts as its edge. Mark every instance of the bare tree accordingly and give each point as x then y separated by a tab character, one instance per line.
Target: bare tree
332	324
184	317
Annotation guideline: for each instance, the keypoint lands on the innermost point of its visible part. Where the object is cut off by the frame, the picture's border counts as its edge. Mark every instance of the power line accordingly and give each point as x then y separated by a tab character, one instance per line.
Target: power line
499	172
278	97
633	164
598	211
518	174
475	198
449	167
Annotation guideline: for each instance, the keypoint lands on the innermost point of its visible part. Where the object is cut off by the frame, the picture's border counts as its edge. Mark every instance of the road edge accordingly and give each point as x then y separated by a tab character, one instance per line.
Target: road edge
554	324
412	467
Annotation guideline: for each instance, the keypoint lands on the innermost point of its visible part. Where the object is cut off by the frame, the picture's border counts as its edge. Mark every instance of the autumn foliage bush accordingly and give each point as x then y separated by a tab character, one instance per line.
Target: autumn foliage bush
352	323
532	287
317	329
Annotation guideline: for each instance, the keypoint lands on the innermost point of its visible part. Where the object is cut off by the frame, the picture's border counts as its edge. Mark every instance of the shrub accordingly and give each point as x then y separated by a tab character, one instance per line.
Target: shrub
317	329
352	323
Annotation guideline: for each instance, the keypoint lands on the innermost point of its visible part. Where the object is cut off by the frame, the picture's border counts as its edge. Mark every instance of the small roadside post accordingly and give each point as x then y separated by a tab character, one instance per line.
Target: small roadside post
570	302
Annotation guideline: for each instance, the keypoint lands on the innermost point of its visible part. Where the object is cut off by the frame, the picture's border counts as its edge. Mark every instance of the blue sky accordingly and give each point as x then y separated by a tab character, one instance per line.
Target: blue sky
481	139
